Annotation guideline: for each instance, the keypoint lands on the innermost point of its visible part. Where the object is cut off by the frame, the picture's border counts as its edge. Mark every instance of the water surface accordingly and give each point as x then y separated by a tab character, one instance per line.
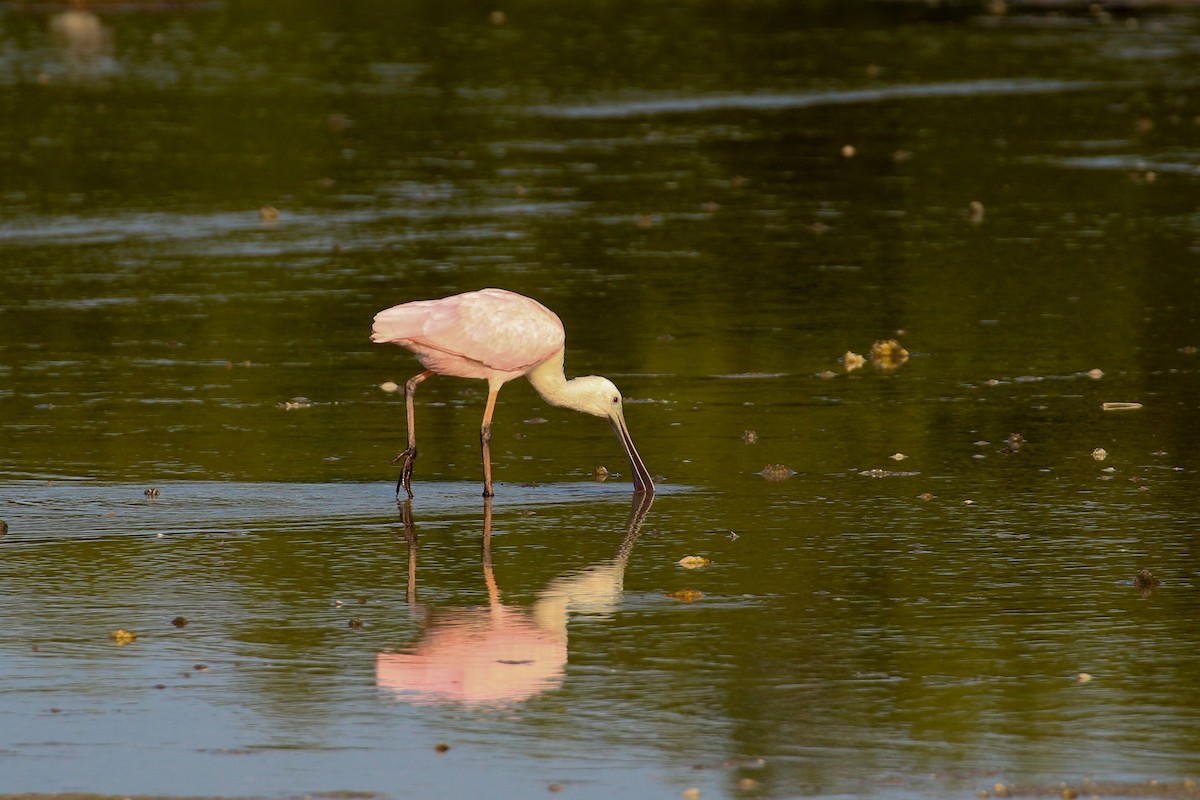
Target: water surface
724	205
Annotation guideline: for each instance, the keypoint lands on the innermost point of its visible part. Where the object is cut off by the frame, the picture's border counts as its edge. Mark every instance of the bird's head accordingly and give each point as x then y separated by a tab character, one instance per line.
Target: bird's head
597	396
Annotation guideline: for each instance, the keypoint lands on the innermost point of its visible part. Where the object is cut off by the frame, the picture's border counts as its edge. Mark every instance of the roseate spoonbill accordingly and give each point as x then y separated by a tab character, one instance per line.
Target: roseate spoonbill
497	335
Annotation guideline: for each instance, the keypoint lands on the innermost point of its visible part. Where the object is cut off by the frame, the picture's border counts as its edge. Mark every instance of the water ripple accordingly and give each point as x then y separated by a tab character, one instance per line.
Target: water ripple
786	101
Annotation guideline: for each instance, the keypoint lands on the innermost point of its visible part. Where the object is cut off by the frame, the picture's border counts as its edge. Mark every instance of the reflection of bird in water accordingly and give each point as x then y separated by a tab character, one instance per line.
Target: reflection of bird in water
502	654
497	336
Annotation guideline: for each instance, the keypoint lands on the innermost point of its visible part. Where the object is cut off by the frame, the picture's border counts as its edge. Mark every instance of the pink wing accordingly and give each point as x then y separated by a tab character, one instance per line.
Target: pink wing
491	329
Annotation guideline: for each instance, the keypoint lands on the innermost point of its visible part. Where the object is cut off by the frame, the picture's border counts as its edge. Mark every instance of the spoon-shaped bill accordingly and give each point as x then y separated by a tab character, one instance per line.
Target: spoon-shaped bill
641	475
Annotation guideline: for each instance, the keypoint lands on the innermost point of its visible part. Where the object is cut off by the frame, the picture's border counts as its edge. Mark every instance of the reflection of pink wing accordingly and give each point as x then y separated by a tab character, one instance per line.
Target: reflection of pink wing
490	657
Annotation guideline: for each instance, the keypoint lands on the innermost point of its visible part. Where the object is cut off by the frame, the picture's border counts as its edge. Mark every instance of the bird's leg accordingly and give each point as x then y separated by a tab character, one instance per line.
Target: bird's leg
410	455
485	439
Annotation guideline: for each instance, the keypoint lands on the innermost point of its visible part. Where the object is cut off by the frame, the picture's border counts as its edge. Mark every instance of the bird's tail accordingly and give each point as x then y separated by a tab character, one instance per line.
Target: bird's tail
399	323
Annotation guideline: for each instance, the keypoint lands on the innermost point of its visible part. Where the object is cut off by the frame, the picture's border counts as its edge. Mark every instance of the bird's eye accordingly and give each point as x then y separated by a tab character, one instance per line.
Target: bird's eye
616	400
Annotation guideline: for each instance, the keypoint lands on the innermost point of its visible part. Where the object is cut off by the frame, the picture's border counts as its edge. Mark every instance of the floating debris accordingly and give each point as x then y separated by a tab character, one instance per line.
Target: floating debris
849	151
355	623
826	374
1146	583
750	437
686	595
3	528
152	493
897	456
390	387
122	636
888	354
927	496
886	473
1083	677
268	215
295	402
694	562
600	474
180	622
1099	454
441	747
776	472
1012	443
852	361
1120	406
975	212
1094	374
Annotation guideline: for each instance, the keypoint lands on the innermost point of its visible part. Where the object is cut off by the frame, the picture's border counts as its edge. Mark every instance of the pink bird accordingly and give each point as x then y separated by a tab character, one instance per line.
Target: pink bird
497	336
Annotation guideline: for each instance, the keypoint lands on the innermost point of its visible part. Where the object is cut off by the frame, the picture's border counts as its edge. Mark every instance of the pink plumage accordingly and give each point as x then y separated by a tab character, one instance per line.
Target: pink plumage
489	334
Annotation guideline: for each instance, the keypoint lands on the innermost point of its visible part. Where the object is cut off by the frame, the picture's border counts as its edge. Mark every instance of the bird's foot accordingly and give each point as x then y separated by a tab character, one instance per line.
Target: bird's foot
405	479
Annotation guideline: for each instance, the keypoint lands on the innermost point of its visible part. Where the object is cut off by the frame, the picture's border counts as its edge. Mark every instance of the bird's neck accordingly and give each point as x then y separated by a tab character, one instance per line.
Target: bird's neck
550	381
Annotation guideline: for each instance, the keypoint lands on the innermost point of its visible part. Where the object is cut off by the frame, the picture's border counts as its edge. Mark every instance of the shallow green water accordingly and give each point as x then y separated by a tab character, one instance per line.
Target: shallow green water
720	202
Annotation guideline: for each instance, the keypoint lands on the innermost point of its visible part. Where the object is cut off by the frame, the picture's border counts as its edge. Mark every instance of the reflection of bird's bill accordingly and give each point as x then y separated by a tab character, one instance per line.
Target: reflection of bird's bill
641	475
